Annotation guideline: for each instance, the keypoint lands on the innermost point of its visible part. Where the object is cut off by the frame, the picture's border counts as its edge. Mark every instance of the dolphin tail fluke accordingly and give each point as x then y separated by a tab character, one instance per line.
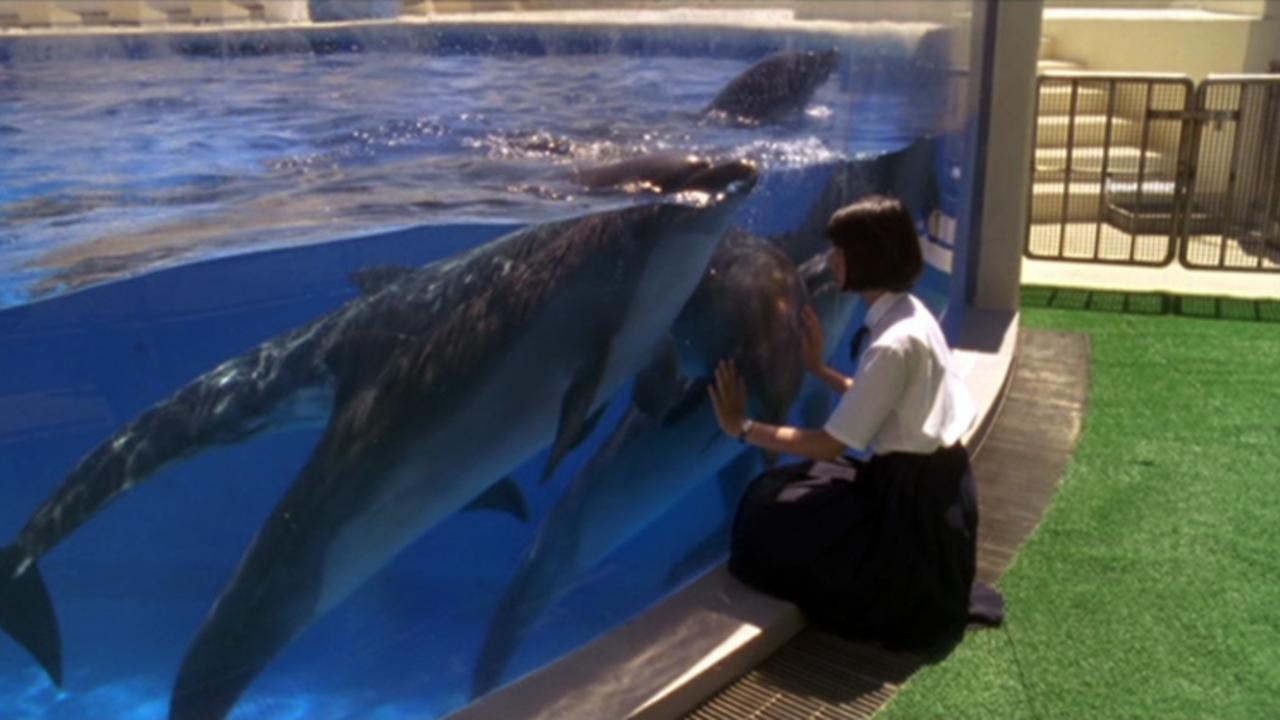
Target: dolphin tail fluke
26	611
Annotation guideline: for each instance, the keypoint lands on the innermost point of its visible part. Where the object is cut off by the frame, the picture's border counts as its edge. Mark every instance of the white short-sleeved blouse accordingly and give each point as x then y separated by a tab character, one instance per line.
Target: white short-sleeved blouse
905	396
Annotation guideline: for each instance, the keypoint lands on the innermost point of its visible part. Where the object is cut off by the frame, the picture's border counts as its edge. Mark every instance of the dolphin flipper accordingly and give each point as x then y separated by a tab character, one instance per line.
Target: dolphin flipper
576	418
26	611
277	590
504	496
250	623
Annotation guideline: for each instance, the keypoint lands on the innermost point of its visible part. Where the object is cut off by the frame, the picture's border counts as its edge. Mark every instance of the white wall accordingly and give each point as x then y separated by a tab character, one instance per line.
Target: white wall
1190	42
1007	156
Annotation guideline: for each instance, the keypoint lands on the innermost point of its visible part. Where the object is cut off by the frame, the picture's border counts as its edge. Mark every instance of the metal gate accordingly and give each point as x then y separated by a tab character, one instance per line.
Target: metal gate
1107	160
1143	169
1237	175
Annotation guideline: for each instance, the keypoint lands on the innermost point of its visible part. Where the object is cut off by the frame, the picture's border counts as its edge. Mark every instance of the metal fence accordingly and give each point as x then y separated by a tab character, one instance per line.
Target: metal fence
1145	169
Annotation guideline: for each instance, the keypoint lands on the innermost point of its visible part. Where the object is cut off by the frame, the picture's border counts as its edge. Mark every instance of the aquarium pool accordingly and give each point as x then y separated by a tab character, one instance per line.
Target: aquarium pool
122	156
169	206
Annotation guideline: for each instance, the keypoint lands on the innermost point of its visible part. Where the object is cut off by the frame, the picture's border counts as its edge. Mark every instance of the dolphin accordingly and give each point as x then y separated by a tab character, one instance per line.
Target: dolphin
748	308
812	406
432	384
773	89
661	173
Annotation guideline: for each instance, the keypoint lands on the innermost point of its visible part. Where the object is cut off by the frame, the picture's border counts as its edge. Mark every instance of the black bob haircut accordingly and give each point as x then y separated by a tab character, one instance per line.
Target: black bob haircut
879	242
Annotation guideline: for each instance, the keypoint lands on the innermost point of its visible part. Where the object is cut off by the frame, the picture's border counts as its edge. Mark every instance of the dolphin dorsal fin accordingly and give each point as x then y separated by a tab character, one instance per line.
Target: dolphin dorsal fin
503	496
375	278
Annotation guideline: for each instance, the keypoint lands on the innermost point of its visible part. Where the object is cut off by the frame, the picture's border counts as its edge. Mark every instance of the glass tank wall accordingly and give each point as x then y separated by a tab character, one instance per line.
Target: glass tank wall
355	369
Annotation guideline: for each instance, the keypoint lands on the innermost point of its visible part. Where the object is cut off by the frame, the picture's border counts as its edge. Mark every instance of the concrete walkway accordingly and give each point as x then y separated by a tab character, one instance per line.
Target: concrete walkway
1254	285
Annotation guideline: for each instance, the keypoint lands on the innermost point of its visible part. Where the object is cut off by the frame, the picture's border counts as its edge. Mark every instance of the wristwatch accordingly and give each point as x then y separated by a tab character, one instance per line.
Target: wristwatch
743	429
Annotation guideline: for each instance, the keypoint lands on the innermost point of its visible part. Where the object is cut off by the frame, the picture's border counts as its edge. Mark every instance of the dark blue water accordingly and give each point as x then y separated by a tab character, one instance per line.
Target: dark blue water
199	205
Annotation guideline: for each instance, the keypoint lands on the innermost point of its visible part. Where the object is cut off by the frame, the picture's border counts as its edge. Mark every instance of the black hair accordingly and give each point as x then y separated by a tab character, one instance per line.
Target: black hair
878	239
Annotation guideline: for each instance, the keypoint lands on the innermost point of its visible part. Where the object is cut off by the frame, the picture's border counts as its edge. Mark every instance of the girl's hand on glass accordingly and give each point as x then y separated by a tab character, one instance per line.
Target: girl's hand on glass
729	398
812	341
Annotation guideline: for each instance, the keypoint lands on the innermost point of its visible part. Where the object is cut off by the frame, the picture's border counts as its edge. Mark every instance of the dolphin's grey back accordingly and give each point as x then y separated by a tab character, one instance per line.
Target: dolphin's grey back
441	327
773	88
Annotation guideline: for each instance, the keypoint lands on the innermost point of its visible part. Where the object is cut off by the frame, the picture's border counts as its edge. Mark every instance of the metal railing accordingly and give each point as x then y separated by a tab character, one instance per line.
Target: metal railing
1143	169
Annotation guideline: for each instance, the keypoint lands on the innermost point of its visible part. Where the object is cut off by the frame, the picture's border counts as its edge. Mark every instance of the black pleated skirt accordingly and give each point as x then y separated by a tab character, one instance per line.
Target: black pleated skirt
886	556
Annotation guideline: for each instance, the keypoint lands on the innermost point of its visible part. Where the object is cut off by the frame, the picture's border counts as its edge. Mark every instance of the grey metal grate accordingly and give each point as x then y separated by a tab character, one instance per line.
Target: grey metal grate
1237	176
817	676
1143	169
814	676
1104	178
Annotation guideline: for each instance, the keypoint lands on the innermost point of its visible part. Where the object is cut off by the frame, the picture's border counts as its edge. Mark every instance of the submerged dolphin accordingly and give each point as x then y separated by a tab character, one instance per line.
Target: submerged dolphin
436	382
747	307
774	89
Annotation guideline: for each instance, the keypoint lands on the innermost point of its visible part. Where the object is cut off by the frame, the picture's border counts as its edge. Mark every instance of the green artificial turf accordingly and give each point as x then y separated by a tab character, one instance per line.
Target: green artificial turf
1152	587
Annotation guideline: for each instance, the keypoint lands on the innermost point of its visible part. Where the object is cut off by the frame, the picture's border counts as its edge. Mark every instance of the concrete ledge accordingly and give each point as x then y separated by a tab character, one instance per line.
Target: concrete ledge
668	660
657	665
46	14
1145	15
1173	278
984	357
217	11
134	12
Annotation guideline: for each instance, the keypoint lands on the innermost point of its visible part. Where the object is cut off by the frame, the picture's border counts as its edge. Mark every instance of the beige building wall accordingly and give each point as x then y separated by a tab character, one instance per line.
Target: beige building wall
1227	36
